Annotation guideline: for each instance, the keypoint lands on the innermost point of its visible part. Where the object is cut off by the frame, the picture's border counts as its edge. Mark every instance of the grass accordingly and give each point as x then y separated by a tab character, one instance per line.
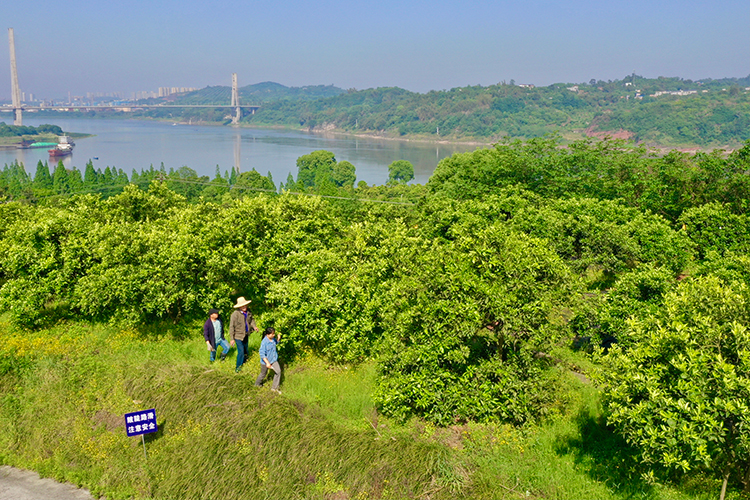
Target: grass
18	139
64	392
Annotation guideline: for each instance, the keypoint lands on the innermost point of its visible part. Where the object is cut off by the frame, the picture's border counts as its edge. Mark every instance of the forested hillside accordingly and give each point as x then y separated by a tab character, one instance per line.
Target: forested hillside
476	301
665	112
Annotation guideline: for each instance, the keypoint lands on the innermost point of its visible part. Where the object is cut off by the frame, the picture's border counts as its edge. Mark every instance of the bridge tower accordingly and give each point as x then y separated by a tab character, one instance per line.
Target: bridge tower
14	89
235	101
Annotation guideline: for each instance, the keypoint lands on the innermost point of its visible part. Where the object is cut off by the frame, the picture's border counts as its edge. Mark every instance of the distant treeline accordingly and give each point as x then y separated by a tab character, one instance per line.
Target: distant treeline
20	130
318	173
17	184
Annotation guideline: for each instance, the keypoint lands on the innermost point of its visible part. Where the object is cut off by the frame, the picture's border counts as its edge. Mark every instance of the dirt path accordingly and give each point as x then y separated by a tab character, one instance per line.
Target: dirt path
17	484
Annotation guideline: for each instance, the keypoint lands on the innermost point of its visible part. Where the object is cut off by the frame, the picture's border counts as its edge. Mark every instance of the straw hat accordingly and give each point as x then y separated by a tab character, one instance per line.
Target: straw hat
241	301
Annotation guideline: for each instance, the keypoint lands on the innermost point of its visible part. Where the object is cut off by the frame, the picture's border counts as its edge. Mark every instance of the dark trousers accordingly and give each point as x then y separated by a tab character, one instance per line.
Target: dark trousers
241	351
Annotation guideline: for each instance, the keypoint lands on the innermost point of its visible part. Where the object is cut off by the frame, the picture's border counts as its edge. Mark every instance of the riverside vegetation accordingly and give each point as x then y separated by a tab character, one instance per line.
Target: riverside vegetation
657	112
535	322
667	112
16	135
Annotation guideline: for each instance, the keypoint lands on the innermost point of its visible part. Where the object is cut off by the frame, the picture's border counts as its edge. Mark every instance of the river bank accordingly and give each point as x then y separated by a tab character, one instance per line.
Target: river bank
18	141
24	141
566	138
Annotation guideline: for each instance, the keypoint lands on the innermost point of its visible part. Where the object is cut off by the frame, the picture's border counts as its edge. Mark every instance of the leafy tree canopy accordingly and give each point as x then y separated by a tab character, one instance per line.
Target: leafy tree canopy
400	171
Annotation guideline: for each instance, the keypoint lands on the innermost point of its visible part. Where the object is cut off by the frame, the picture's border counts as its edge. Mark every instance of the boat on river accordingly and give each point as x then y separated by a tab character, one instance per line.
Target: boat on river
63	148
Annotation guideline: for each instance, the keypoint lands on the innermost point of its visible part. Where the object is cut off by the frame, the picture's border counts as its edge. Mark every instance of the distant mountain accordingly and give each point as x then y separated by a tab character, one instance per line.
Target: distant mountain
259	93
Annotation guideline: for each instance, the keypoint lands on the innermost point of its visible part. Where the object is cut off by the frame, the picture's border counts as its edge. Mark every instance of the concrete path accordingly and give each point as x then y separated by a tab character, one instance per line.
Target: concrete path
17	484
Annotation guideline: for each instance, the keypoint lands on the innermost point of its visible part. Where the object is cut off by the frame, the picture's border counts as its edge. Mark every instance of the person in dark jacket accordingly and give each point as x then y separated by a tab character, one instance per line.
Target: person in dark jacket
213	333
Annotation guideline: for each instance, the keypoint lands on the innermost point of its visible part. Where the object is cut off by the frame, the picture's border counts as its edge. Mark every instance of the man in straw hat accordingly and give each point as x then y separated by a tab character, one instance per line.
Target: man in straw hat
240	324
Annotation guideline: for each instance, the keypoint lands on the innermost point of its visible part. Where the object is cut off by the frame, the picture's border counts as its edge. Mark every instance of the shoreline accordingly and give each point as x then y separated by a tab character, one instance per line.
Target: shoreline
661	149
372	136
477	143
333	132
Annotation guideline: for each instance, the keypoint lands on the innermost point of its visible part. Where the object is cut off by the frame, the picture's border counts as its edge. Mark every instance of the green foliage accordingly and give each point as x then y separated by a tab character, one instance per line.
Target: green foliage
728	266
344	174
400	171
42	177
60	181
247	182
458	294
61	415
20	130
714	228
15	182
316	168
604	235
681	392
459	298
711	116
636	294
607	169
467	321
698	119
258	93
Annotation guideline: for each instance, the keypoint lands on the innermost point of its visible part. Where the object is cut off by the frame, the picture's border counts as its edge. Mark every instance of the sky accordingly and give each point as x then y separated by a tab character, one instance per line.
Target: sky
81	46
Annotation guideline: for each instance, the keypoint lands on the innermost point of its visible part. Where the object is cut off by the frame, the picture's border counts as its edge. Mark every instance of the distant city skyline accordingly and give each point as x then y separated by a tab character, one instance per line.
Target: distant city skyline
30	97
81	47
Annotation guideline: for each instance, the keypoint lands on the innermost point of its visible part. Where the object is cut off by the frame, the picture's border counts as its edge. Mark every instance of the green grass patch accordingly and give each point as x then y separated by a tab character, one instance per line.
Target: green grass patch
65	391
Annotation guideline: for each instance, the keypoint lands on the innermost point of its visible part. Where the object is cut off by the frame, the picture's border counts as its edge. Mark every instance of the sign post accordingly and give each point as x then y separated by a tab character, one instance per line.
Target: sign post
140	423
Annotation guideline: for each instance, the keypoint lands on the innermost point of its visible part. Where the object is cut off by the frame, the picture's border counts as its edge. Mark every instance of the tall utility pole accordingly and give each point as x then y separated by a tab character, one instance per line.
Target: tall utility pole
14	89
235	100
237	152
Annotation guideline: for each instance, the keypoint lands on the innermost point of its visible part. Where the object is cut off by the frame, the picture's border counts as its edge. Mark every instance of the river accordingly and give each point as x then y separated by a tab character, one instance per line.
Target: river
136	144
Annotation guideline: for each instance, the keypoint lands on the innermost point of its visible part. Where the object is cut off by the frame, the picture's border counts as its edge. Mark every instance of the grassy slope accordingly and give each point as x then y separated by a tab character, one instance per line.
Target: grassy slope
64	392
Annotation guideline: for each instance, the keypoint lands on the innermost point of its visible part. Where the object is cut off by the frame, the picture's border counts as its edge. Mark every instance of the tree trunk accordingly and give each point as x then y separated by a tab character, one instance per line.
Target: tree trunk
724	487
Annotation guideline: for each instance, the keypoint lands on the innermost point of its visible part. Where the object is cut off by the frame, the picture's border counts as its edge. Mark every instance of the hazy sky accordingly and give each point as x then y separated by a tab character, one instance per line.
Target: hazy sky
81	46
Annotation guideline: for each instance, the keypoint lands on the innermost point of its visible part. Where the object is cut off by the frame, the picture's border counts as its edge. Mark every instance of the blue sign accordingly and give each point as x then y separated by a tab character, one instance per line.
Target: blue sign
140	422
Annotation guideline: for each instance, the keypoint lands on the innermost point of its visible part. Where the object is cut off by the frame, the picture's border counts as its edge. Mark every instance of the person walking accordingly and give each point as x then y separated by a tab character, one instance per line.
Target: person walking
269	358
213	333
240	324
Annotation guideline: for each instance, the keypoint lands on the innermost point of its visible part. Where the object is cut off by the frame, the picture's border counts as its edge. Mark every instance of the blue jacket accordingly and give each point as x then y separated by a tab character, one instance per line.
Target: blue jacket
268	350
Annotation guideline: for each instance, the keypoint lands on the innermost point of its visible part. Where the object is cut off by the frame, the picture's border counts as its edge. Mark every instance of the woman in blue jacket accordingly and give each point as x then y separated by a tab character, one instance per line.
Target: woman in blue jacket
269	358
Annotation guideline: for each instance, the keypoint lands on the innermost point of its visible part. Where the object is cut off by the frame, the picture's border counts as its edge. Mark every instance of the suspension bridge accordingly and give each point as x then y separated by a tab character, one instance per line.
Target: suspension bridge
18	107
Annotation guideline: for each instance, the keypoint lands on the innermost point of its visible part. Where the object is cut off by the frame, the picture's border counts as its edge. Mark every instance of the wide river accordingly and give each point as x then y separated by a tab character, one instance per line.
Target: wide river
135	144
